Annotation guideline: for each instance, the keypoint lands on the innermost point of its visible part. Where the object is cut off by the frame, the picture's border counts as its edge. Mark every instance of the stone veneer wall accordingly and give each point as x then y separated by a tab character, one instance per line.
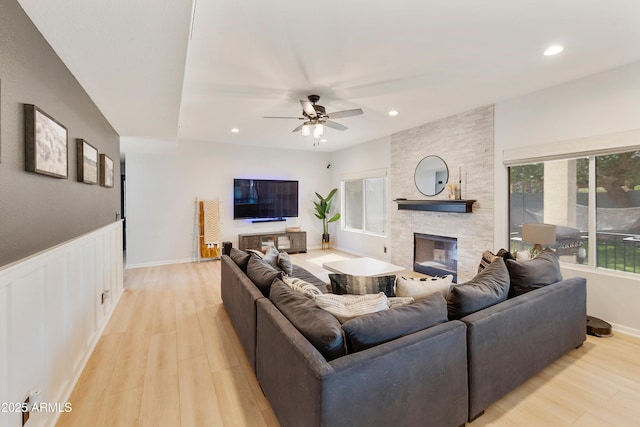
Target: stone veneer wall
464	140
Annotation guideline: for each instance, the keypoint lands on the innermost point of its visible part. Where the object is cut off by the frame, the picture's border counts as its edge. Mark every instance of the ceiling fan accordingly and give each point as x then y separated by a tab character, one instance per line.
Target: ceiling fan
315	117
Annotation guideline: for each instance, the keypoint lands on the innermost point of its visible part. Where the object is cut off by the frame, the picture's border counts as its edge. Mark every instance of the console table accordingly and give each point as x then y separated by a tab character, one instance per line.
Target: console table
287	241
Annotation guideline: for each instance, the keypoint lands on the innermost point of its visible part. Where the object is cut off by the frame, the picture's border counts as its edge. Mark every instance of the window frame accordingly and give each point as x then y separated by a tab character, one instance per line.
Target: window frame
590	155
362	177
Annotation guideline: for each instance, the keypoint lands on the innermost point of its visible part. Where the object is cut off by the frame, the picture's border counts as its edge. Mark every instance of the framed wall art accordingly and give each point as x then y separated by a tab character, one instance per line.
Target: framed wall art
87	156
106	171
46	148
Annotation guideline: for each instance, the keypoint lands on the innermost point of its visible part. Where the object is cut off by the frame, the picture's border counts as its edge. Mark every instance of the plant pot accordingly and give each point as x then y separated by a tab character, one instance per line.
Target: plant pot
325	240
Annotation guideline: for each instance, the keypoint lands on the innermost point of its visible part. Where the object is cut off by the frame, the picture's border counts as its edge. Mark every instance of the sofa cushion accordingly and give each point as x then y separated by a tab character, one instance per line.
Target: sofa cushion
360	285
284	263
299	285
423	287
318	326
262	274
372	329
488	257
241	258
535	273
345	307
486	289
305	275
271	256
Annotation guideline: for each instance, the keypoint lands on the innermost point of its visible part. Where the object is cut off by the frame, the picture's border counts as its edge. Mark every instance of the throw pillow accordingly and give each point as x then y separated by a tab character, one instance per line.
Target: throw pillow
262	274
284	263
241	258
271	256
535	273
255	252
488	257
367	331
346	307
318	326
486	289
360	285
299	285
423	287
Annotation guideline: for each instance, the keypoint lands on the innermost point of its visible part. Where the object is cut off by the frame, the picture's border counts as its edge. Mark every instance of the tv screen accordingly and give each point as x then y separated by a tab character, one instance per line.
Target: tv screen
264	198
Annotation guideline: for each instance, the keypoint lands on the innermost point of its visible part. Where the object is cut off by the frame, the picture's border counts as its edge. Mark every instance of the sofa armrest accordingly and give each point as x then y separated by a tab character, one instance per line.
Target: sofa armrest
418	379
512	341
239	296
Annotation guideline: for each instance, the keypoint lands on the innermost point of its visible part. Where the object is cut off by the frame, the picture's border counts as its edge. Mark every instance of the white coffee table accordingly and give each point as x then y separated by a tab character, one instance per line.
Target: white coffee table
363	267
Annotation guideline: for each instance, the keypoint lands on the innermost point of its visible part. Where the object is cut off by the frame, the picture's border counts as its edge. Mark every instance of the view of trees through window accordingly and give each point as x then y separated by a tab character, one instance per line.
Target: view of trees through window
558	192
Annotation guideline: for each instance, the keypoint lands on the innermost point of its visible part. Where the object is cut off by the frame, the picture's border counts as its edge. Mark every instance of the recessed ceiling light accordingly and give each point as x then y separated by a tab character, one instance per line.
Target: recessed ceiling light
393	113
235	130
323	140
553	50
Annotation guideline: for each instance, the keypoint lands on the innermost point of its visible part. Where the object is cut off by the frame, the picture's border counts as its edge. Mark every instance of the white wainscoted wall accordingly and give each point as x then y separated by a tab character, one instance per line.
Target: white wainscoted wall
52	315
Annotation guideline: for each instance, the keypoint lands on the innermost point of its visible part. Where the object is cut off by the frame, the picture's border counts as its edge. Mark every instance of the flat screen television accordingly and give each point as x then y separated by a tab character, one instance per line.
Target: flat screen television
264	199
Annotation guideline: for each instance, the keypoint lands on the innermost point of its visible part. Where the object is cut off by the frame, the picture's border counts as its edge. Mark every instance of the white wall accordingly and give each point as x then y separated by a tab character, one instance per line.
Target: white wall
51	317
591	112
349	163
163	180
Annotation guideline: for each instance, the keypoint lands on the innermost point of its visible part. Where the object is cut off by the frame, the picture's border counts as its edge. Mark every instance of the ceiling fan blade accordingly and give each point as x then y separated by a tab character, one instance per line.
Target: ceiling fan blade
298	128
282	117
334	125
345	113
307	107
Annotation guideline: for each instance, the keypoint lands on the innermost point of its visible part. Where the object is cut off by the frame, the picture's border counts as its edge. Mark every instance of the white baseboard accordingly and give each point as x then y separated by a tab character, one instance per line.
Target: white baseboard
625	330
160	263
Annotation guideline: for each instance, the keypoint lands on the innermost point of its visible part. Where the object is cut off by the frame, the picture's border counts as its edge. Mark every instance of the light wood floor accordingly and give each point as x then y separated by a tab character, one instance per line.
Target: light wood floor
170	357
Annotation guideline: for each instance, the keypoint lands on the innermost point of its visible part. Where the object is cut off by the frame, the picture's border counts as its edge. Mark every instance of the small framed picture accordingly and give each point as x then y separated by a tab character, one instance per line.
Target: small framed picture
87	156
46	145
106	171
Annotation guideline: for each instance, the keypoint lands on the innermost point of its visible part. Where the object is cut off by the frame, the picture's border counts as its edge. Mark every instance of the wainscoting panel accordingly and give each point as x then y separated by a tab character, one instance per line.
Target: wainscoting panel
51	318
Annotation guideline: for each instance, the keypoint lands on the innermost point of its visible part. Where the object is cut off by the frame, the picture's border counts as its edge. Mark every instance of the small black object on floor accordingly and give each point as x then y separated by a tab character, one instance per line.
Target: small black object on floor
598	327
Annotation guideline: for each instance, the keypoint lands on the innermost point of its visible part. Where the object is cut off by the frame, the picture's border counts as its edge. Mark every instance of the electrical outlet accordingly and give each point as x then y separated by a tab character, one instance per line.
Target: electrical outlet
105	296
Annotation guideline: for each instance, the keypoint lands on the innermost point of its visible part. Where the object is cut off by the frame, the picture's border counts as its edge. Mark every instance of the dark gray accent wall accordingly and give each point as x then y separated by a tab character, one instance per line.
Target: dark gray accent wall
36	211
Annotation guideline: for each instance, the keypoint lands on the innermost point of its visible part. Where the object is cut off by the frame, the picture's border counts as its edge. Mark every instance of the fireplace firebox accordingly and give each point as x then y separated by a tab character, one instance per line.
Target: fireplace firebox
435	255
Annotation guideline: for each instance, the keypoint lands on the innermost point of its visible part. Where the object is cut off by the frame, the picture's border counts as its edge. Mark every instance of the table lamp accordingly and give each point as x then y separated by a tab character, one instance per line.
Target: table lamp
538	234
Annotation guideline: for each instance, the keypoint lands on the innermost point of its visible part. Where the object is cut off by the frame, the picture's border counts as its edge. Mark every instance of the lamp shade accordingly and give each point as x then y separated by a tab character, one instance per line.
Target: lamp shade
542	234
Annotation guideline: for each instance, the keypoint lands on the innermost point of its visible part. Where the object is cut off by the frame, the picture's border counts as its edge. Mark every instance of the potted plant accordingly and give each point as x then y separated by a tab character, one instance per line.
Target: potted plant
323	210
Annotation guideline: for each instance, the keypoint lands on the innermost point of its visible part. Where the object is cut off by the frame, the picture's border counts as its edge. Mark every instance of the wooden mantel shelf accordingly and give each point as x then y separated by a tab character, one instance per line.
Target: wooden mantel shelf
444	205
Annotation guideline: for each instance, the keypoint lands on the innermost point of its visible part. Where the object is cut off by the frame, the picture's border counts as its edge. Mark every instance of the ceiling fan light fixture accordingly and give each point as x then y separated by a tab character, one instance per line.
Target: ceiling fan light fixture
318	130
306	130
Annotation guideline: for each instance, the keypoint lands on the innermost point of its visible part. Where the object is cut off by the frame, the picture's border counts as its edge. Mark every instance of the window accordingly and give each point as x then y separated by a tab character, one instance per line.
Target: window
618	211
365	205
592	201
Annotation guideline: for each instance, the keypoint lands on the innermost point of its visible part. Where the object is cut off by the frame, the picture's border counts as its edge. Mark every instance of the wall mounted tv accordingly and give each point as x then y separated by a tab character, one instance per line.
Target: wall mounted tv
264	199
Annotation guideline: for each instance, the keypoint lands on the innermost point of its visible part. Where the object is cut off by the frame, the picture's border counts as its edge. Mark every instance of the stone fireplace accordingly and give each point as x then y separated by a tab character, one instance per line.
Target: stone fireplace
435	255
465	142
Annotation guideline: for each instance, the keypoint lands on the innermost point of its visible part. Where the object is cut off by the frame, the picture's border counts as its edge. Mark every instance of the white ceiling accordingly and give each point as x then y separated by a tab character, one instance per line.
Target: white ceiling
155	75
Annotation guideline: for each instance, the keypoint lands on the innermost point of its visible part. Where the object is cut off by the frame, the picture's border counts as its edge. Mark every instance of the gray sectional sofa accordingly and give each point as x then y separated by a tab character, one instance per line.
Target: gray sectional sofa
442	375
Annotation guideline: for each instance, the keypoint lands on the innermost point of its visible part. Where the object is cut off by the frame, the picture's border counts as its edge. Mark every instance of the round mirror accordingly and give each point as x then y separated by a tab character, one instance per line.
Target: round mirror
431	175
